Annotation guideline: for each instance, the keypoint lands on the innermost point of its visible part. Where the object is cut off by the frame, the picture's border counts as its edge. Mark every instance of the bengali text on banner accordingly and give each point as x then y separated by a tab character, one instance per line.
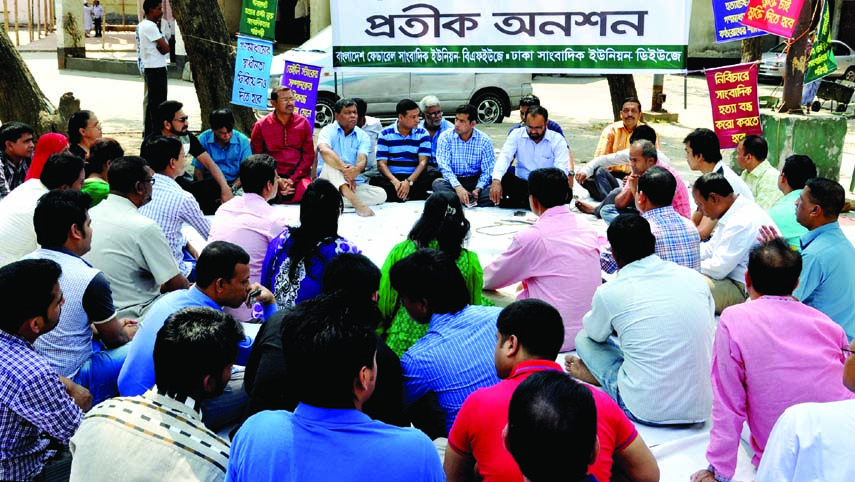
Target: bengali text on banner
735	110
303	79
252	72
821	61
775	16
728	16
258	18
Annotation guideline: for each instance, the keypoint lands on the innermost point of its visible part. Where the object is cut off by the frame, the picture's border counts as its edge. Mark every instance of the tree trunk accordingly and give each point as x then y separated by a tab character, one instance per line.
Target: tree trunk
796	64
621	86
751	49
212	58
22	100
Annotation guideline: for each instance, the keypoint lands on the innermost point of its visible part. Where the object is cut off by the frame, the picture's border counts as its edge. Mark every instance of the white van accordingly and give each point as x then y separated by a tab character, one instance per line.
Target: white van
493	94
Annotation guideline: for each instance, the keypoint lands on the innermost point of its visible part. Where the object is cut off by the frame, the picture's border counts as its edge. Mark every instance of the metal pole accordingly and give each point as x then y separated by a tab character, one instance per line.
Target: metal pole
685	87
30	19
6	14
17	36
123	13
38	9
658	96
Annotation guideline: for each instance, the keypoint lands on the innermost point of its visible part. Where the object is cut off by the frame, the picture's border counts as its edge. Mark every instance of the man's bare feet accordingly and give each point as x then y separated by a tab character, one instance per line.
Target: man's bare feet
364	211
577	368
585	207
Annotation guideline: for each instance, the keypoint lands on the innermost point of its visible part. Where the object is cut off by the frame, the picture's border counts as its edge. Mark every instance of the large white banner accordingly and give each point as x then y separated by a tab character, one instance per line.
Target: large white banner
582	36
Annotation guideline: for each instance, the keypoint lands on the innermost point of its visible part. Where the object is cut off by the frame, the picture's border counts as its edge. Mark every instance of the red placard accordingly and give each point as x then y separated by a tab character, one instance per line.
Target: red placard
735	110
776	16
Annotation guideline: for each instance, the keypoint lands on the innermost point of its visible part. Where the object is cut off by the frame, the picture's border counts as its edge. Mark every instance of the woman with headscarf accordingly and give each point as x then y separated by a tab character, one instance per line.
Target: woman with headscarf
48	145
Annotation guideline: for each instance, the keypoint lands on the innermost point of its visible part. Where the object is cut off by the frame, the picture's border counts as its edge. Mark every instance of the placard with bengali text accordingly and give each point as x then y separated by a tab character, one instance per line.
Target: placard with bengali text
774	16
728	16
303	80
258	18
735	110
252	72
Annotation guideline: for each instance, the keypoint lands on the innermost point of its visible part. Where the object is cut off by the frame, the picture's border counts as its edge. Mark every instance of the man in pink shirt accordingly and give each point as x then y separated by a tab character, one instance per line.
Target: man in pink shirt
769	354
557	258
248	220
529	335
287	136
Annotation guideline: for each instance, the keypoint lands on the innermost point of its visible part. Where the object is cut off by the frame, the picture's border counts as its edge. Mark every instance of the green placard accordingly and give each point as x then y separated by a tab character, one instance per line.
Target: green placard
822	61
258	18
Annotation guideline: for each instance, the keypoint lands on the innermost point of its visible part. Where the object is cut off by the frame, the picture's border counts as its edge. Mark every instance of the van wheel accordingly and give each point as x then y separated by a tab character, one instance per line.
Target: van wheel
324	111
489	107
850	74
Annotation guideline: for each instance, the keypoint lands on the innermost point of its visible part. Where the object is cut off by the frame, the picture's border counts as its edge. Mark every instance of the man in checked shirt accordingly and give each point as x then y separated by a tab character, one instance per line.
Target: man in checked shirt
39	410
465	158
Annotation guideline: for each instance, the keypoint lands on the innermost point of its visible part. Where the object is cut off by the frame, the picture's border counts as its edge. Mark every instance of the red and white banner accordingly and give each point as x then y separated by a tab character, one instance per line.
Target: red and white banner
735	110
775	16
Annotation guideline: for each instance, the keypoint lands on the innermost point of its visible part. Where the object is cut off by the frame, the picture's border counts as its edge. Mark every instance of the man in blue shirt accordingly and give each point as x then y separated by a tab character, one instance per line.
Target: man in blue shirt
222	279
456	356
466	158
403	151
331	354
343	156
226	146
433	123
827	282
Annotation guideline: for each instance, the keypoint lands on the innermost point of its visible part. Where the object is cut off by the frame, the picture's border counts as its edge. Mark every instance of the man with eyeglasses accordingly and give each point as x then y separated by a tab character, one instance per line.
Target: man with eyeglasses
286	135
433	122
534	148
769	354
129	248
210	193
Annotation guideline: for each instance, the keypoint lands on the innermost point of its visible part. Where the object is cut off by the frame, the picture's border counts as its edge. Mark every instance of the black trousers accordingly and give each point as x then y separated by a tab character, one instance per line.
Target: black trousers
419	189
98	22
156	83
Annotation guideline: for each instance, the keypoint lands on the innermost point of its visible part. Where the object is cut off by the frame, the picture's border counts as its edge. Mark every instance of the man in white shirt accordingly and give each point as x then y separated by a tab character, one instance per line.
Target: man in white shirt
724	259
372	127
534	148
152	54
660	372
703	153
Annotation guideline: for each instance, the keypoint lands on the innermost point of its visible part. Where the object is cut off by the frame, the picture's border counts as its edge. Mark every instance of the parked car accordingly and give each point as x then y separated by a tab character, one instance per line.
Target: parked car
772	62
493	94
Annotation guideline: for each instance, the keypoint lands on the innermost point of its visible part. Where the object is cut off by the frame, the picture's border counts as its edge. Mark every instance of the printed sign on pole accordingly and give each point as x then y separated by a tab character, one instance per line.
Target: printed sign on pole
775	16
303	81
252	72
735	110
728	16
822	61
258	18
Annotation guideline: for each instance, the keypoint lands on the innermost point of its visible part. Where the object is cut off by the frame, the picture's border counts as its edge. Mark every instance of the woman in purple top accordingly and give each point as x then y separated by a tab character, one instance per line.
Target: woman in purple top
295	260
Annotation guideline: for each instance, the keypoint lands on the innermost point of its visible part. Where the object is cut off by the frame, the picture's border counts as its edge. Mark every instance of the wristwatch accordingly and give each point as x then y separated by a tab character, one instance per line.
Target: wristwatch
571	172
409	181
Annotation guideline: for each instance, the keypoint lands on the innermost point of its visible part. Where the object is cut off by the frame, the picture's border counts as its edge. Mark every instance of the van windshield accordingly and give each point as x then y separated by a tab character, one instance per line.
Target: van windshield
322	42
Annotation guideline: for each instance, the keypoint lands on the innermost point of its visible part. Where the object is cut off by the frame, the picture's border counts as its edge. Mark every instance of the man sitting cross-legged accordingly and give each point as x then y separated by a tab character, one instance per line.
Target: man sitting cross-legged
660	373
530	334
159	435
343	149
223	280
797	170
332	356
466	158
65	233
755	347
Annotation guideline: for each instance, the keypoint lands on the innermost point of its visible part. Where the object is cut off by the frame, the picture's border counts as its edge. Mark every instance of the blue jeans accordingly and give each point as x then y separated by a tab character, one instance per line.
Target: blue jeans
100	373
604	361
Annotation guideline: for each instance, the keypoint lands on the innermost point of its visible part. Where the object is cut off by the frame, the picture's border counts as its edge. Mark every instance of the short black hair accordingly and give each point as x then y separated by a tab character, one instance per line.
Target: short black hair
160	150
78	120
756	146
101	153
343	103
274	92
166	112
705	142
256	171
658	185
798	168
55	213
536	324
405	105
630	237
61	169
470	111
538	110
631	99
774	268
353	274
361	106
552	427
529	100
25	291
431	275
549	186
12	131
193	343
218	260
149	5
125	172
643	132
324	339
713	182
222	118
828	194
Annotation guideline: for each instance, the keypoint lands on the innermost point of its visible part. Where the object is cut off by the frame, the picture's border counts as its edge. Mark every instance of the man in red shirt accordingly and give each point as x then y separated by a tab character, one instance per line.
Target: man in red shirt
530	334
287	136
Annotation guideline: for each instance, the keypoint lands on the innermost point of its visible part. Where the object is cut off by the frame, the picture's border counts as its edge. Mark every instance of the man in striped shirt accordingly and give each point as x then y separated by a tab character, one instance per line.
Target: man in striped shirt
465	157
403	151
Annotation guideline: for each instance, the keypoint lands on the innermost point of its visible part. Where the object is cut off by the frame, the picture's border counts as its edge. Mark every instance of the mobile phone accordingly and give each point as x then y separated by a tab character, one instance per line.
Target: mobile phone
252	296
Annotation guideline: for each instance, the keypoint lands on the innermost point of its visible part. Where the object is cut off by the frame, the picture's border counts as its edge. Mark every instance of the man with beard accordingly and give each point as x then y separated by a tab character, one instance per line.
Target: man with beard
534	148
433	123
